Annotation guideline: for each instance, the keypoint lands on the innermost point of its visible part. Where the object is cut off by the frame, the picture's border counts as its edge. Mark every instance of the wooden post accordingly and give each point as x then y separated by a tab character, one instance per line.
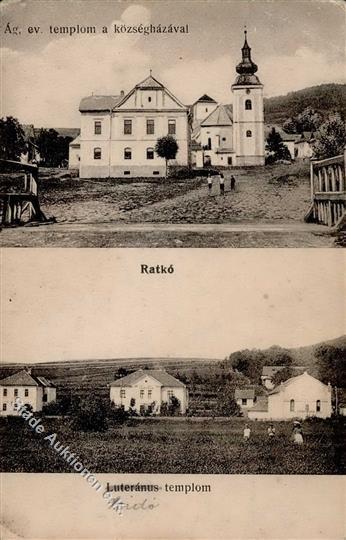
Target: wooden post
320	180
332	170
312	189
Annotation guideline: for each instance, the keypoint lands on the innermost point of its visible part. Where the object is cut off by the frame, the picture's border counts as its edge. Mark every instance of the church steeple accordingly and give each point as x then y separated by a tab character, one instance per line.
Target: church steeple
246	65
246	68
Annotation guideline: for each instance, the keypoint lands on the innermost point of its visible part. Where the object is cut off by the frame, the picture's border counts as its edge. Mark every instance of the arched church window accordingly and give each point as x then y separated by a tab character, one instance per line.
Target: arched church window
127	153
97	153
292	405
318	405
150	153
248	105
249	133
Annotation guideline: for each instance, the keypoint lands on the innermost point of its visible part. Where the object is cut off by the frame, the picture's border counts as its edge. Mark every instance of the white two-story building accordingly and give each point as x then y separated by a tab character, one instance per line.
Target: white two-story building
119	133
148	388
30	389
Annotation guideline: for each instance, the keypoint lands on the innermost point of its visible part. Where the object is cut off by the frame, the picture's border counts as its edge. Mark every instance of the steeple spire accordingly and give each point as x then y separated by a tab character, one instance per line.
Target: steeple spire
246	66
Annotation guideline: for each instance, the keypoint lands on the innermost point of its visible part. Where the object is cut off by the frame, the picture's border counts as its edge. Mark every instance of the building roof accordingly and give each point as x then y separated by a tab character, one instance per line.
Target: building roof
261	405
150	82
286	137
269	371
218	117
24	378
289	381
244	393
76	141
99	103
205	99
159	374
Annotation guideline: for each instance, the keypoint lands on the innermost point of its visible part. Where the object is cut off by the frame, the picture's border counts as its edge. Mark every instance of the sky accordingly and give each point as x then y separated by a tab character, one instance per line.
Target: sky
296	44
78	304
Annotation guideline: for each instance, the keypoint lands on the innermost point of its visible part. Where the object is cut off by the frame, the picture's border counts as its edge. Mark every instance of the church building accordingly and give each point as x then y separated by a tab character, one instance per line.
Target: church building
119	132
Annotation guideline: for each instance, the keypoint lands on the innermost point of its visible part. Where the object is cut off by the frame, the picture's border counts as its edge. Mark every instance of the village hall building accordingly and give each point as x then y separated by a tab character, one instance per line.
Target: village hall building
119	132
30	389
148	388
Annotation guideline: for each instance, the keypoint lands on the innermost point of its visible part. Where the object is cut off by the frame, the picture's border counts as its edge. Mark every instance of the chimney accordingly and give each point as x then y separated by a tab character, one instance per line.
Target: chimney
28	370
122	93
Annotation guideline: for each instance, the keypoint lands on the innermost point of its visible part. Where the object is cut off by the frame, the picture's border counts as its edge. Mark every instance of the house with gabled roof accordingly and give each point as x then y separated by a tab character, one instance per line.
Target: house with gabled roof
33	390
245	397
300	397
148	389
119	132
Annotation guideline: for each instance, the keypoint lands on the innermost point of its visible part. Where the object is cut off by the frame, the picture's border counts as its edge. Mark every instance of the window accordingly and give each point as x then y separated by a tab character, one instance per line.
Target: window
4	392
209	143
127	153
45	398
249	133
248	105
4	407
156	173
223	138
149	393
26	392
171	127
150	153
127	127
149	99
170	393
150	127
206	109
229	161
97	153
97	127
122	393
127	172
15	392
244	401
141	394
292	405
318	405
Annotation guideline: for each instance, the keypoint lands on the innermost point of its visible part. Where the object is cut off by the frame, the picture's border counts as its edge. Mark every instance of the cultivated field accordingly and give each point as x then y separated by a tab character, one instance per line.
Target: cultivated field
180	446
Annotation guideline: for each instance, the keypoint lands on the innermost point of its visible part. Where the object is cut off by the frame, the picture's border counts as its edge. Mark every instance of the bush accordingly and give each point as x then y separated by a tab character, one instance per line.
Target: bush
89	414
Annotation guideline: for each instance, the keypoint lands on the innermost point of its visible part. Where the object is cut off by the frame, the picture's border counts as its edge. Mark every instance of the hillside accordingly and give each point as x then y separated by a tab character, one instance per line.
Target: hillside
323	98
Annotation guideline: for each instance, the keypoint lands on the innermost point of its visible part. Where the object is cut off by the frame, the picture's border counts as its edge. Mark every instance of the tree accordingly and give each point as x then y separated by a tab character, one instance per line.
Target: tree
331	364
225	402
308	120
290	126
167	148
89	414
282	375
12	139
52	147
330	137
174	406
276	147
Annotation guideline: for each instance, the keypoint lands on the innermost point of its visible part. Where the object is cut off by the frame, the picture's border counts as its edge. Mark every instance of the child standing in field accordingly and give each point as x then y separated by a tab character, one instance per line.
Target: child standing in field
222	184
271	431
298	435
247	432
210	182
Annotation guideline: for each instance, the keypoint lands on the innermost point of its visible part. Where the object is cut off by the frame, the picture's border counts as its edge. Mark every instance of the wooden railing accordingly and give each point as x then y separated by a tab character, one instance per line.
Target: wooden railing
328	195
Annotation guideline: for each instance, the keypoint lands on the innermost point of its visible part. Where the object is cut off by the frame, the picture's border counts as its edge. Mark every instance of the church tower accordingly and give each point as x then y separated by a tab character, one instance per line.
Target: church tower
248	117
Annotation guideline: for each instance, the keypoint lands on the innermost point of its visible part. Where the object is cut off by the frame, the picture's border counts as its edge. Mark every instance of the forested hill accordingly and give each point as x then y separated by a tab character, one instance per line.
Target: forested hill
323	98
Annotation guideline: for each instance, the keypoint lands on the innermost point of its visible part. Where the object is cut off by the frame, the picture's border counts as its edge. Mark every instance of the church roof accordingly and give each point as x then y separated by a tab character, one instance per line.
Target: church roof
24	378
218	117
205	99
99	103
150	83
159	374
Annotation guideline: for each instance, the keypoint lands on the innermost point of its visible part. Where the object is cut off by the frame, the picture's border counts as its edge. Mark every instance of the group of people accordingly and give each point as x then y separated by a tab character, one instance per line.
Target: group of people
297	433
221	182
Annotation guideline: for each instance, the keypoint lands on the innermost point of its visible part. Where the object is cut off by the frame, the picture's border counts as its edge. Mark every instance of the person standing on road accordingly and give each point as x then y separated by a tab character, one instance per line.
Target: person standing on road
222	184
232	183
210	182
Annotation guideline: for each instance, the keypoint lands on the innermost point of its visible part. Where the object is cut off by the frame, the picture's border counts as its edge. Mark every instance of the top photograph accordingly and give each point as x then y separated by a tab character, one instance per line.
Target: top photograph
173	124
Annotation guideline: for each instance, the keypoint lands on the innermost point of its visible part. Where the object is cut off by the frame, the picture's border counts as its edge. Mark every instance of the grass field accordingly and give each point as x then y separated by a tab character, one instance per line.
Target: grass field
179	446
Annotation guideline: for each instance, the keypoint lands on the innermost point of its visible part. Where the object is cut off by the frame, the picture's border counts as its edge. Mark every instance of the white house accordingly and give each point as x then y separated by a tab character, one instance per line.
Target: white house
232	134
304	145
245	397
74	154
298	397
148	388
119	133
32	390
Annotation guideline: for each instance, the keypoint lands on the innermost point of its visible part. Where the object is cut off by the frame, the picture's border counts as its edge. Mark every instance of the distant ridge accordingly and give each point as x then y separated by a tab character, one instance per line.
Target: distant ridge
323	98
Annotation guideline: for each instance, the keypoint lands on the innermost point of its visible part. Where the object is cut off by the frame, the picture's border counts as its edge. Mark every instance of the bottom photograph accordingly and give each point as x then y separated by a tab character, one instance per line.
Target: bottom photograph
240	408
